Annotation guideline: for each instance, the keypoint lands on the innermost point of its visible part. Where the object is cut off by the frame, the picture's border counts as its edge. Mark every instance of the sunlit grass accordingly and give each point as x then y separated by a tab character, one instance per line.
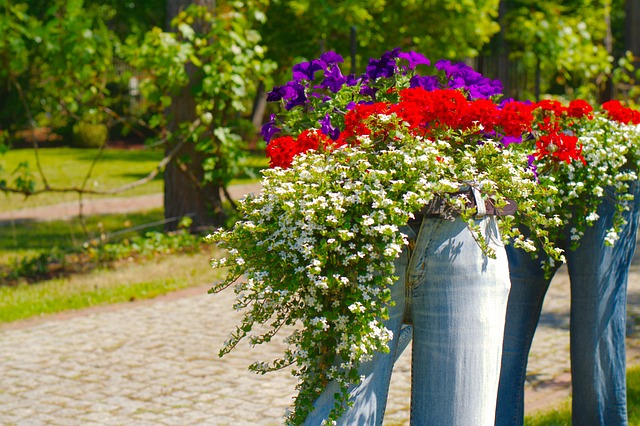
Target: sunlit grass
68	167
126	282
33	238
561	415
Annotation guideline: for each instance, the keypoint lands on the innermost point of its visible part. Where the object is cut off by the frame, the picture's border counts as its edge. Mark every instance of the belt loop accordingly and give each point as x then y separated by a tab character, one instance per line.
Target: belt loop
481	208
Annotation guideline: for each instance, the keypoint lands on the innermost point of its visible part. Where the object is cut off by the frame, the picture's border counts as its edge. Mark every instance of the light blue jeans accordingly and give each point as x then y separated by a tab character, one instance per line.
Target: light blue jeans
598	276
455	297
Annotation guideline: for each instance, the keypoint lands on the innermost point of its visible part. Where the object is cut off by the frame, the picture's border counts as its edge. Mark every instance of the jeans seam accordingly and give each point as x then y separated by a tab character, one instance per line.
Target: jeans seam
432	234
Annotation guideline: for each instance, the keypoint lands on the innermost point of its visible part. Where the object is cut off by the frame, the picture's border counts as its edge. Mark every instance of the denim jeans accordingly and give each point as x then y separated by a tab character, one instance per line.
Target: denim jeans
455	299
598	276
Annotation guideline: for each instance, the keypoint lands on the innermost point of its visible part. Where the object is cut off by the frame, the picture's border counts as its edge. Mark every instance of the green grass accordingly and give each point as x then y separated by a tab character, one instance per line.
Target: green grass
125	283
32	238
561	415
67	167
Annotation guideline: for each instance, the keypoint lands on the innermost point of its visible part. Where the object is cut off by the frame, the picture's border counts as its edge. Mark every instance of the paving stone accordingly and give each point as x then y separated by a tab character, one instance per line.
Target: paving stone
156	364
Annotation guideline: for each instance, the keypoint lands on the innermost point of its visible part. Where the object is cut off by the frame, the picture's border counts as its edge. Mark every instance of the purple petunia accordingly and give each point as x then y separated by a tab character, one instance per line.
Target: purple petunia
532	165
277	93
428	83
296	95
333	79
508	140
368	91
331	58
383	67
328	129
461	75
414	59
269	129
307	70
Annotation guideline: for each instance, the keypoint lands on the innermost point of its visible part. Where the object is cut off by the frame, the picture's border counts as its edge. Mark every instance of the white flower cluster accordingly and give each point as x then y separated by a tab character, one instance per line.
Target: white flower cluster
612	153
317	246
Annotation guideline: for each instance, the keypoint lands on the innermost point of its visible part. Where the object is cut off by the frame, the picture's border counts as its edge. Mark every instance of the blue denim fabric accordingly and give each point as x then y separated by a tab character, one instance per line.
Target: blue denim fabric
598	276
455	298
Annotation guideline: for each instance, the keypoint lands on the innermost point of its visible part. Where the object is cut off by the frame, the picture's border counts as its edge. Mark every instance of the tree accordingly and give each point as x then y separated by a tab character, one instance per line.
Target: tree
451	29
568	44
197	82
205	116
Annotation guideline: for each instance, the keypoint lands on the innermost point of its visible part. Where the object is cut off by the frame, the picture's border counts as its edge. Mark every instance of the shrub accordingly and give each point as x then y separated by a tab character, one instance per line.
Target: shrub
89	135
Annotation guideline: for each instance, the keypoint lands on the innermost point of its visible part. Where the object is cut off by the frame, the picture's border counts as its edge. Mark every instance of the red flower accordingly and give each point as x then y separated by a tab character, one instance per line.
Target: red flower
282	150
354	121
620	113
515	118
560	145
549	106
579	108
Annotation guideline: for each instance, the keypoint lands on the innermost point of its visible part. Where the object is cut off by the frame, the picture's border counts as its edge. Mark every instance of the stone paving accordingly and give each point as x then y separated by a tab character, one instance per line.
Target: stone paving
155	363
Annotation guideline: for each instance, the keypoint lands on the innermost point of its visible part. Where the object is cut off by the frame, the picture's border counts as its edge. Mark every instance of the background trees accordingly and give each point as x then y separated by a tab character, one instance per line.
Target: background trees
187	76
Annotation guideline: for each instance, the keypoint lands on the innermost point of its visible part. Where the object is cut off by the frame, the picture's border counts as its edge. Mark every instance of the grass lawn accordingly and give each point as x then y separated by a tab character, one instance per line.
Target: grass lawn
67	167
87	286
122	283
561	416
32	238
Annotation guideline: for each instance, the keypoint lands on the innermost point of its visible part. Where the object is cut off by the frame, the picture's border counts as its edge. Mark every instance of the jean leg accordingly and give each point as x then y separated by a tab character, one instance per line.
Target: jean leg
528	289
457	307
370	396
598	319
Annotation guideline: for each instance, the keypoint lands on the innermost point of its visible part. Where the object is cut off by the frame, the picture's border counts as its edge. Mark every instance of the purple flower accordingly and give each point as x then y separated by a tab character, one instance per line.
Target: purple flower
461	75
277	93
333	79
352	80
428	83
414	59
321	96
383	67
328	129
508	140
368	91
331	58
269	129
307	70
351	105
532	166
295	94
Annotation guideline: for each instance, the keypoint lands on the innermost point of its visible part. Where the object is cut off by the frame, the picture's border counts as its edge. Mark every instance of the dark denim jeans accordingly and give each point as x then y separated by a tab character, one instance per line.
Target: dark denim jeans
598	276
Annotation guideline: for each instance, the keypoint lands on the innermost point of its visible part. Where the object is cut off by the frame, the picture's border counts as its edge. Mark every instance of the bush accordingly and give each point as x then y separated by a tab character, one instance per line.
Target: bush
88	135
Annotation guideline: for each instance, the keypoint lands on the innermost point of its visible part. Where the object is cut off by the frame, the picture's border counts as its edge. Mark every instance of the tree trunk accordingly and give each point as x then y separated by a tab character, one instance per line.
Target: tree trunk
606	89
185	194
502	71
632	28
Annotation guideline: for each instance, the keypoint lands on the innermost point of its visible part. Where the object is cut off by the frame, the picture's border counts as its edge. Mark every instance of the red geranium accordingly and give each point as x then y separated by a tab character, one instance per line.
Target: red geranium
621	113
282	150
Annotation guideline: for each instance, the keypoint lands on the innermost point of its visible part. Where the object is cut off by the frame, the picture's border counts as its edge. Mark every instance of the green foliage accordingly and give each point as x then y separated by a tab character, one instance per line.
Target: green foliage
66	167
33	238
566	40
216	55
89	135
56	261
450	29
66	68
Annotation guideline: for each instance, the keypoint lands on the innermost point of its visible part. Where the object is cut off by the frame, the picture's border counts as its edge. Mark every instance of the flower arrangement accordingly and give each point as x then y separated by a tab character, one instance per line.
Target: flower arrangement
578	153
353	157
